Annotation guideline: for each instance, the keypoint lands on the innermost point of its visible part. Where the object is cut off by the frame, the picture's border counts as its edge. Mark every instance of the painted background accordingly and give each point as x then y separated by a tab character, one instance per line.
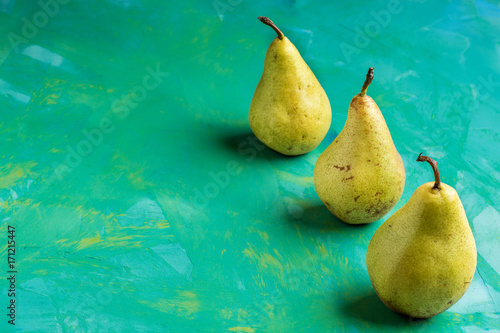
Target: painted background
117	117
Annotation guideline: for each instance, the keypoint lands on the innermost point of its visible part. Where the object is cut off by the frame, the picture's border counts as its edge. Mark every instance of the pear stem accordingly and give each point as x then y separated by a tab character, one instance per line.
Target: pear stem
270	23
369	78
434	164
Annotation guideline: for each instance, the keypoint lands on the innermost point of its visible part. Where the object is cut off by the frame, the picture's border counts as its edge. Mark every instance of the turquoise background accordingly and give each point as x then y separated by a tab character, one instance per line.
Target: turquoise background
112	232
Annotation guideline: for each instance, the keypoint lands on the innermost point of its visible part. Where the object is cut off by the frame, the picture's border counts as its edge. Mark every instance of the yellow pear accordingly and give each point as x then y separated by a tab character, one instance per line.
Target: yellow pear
422	259
361	176
290	111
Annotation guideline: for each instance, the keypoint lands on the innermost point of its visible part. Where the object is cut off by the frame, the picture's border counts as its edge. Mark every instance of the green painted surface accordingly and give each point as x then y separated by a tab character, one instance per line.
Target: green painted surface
112	233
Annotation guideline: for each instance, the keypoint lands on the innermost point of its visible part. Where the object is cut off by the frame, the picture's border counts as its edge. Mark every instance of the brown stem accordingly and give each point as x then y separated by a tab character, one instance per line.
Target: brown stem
270	23
434	164
369	78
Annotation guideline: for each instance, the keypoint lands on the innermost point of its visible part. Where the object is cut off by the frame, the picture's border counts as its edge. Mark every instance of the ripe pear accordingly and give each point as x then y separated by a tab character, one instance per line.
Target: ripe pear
361	176
290	112
422	259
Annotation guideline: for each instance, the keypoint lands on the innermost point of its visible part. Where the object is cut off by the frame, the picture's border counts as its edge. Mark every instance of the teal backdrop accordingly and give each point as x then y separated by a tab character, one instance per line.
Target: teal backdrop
142	202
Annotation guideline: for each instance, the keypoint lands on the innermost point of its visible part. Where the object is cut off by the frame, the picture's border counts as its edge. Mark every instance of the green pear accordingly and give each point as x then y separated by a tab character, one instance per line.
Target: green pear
361	176
422	259
290	111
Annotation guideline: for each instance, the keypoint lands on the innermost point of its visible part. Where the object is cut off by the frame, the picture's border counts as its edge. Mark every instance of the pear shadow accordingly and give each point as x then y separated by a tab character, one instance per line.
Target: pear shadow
318	217
246	144
370	309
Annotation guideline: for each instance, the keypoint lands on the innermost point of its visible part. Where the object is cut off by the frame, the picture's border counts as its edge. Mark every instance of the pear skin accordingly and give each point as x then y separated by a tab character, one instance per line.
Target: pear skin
361	176
422	259
290	112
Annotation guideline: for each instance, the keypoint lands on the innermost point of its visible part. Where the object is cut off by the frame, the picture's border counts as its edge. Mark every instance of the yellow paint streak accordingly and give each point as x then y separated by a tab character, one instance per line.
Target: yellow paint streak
259	282
11	173
322	250
264	235
278	254
86	242
143	227
137	180
108	242
134	171
264	260
269	309
163	225
40	272
185	304
3	248
242	329
54	83
272	261
49	99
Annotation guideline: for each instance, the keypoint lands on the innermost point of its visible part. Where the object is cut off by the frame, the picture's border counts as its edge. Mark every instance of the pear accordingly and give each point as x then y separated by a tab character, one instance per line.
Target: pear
361	176
422	259
290	112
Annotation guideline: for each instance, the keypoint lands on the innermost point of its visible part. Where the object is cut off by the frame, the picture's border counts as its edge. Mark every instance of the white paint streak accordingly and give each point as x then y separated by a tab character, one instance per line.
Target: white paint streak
487	234
41	54
405	75
6	89
139	214
175	256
